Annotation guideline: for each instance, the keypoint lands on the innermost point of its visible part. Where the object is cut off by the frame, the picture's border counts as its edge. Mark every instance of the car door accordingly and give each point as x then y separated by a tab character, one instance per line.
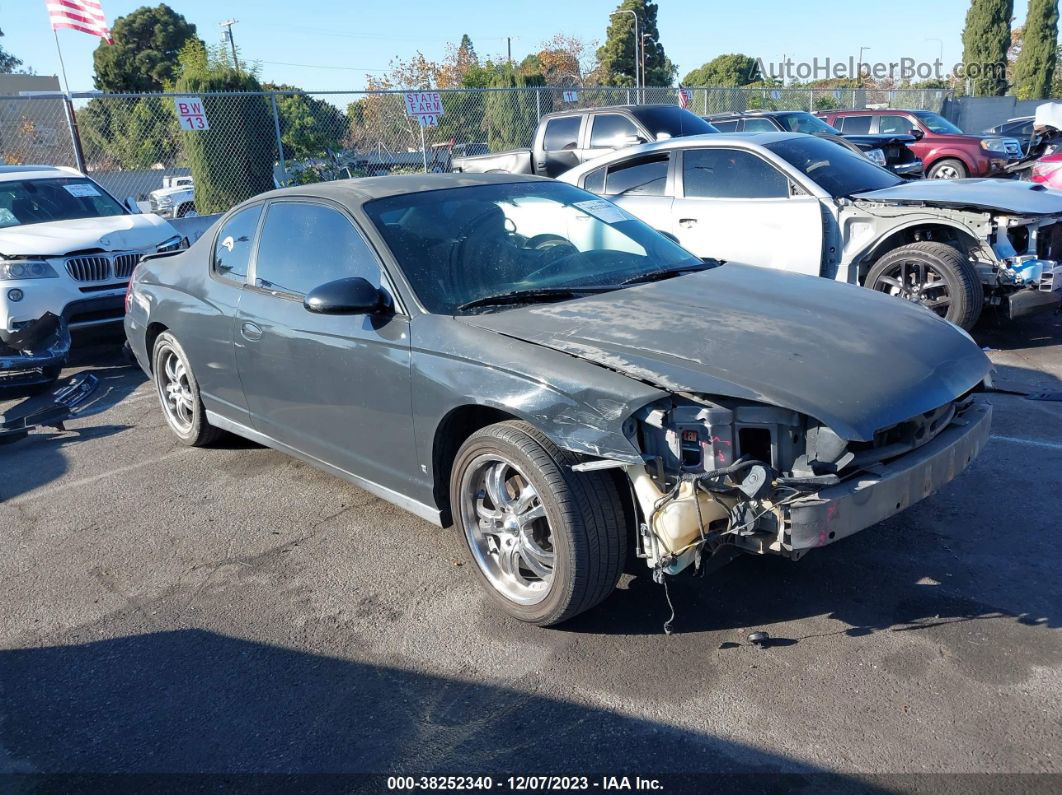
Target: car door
211	348
734	205
641	185
560	145
611	131
334	387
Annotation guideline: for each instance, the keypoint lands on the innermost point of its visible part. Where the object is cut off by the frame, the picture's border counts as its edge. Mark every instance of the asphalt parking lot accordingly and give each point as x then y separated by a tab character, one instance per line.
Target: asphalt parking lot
233	610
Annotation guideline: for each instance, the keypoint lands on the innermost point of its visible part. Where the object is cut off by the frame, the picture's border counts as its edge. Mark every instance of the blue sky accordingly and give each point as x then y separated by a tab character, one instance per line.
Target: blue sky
363	36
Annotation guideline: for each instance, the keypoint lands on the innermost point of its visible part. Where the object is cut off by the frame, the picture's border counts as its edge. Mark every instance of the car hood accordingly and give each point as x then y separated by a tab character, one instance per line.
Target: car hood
172	191
854	359
1003	195
110	233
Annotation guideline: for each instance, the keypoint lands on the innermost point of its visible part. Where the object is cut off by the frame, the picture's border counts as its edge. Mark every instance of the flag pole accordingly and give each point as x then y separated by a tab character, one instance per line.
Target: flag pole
62	66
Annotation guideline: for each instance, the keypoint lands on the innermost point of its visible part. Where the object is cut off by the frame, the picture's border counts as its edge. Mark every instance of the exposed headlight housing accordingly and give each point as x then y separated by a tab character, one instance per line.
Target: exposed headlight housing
175	243
19	269
164	201
877	156
997	145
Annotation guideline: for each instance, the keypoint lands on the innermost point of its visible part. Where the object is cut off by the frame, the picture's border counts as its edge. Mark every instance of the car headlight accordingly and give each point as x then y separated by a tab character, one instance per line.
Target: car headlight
997	145
175	243
876	155
17	270
164	201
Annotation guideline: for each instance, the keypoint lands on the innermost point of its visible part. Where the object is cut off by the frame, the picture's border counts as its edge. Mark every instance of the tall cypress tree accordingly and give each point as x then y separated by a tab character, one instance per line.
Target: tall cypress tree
616	56
985	40
1035	66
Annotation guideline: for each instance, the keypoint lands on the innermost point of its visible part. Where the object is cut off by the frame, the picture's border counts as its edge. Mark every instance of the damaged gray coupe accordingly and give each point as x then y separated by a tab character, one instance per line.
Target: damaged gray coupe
569	387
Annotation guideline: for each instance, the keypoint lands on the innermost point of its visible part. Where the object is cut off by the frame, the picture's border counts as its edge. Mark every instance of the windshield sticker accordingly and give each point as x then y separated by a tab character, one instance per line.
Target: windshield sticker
603	211
81	190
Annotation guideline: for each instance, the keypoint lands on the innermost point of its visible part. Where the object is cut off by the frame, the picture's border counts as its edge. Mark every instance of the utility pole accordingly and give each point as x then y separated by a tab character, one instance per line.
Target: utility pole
509	49
227	24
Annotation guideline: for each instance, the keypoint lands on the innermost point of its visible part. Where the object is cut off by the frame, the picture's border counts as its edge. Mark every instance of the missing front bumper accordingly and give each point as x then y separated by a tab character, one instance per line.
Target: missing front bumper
41	344
842	510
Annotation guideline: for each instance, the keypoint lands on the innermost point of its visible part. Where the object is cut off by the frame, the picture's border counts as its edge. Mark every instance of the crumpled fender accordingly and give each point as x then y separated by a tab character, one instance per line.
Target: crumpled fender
40	343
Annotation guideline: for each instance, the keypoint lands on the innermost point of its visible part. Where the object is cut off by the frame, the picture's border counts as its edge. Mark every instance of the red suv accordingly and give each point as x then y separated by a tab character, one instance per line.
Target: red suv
946	151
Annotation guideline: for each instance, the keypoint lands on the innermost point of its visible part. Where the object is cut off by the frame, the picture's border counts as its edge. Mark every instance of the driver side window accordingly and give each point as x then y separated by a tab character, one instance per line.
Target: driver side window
305	245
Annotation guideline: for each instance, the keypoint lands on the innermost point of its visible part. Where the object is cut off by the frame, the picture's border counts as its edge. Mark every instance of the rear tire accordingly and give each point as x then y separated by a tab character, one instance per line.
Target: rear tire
948	168
935	275
178	393
546	543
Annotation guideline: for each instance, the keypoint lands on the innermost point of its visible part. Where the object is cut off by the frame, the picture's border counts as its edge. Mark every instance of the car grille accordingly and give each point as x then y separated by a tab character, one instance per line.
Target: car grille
102	267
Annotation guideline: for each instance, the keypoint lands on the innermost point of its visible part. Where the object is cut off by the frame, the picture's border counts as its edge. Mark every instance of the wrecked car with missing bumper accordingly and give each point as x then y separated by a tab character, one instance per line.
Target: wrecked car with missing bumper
567	386
67	248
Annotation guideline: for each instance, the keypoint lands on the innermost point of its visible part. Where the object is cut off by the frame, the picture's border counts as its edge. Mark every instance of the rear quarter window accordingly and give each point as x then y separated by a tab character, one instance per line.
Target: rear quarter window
234	243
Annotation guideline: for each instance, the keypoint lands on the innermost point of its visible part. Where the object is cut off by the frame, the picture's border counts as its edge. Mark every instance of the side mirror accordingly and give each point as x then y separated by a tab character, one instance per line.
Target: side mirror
663	136
352	296
631	140
131	205
918	134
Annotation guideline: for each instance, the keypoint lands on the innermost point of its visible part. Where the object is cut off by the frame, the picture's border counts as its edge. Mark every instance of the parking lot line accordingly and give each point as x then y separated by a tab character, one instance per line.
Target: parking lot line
1030	442
73	484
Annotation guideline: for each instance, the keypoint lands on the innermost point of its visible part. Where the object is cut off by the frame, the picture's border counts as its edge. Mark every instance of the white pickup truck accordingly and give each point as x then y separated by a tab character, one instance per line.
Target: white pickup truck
67	250
175	199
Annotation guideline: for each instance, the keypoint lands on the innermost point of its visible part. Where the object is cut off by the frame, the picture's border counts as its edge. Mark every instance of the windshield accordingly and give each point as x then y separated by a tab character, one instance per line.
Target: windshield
671	119
805	123
837	170
38	201
462	245
937	123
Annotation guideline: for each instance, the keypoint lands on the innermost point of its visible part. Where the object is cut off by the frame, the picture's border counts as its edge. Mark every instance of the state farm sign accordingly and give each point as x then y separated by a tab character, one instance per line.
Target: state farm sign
425	106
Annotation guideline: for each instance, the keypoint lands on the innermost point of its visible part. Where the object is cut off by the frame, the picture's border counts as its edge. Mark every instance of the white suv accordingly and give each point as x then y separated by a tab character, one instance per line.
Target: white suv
67	250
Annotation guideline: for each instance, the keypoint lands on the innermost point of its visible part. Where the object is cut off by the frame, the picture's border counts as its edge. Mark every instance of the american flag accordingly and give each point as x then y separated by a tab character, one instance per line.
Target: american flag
684	97
85	16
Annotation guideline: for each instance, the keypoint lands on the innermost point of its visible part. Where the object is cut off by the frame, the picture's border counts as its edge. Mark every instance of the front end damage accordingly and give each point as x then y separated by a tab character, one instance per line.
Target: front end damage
34	350
1028	274
722	477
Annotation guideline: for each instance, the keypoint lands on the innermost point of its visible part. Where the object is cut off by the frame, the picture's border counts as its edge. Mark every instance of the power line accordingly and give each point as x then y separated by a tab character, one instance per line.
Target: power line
321	66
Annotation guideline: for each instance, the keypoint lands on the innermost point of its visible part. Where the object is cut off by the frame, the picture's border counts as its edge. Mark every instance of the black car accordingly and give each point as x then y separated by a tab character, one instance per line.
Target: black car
1020	127
887	150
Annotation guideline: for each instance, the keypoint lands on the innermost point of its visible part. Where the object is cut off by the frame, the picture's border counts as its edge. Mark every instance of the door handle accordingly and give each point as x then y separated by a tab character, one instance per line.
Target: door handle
250	331
687	223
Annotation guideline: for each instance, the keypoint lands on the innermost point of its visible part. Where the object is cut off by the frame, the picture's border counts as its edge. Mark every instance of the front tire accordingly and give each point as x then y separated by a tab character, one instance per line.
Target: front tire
178	393
547	543
935	275
948	168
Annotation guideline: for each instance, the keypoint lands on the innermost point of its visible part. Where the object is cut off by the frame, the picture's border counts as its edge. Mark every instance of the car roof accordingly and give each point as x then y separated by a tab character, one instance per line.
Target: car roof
8	173
355	192
742	140
872	110
628	108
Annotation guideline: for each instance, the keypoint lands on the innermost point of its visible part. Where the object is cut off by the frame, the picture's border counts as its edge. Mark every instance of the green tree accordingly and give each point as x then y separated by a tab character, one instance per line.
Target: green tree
733	69
8	62
617	55
309	127
145	51
510	117
985	41
1034	67
129	133
234	159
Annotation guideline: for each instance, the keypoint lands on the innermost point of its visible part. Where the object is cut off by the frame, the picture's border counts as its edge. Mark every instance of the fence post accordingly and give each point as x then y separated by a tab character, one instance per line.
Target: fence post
811	100
538	103
75	136
706	102
280	142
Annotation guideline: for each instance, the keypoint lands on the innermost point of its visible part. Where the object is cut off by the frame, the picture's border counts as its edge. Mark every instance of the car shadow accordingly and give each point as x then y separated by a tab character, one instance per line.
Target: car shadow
196	702
1035	331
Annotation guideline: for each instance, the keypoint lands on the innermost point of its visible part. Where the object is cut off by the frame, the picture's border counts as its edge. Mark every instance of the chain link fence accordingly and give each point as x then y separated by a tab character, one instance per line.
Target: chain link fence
134	145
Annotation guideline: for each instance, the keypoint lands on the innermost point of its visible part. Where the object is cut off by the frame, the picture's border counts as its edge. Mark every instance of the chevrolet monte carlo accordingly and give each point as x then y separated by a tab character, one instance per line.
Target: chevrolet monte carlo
569	387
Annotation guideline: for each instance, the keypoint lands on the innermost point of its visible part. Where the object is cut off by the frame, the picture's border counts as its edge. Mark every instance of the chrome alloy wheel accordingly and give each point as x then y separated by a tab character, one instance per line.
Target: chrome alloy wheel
176	392
507	529
916	281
